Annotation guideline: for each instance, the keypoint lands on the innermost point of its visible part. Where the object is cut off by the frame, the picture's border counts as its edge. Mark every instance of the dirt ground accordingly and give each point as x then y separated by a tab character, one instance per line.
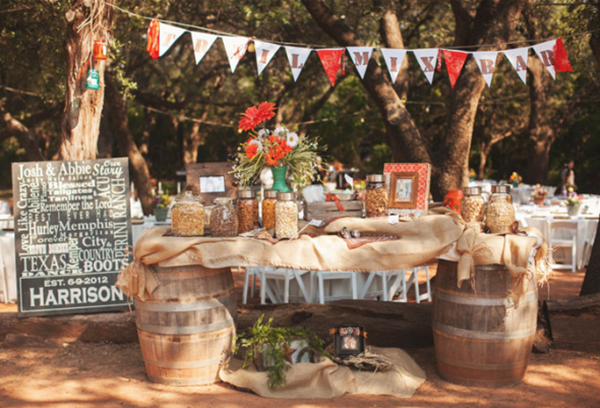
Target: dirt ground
38	373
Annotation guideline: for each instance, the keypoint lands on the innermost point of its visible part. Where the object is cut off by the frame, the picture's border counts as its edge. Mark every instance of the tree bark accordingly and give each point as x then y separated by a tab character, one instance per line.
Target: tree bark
591	282
192	141
117	111
86	21
21	132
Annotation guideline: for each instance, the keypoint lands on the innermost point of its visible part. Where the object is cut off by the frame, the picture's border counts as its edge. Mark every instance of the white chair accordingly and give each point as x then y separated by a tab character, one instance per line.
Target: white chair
587	249
270	276
392	282
563	234
252	273
323	276
414	279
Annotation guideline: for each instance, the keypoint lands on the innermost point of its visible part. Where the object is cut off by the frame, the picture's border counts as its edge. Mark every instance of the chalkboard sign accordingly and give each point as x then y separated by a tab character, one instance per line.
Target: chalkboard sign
72	232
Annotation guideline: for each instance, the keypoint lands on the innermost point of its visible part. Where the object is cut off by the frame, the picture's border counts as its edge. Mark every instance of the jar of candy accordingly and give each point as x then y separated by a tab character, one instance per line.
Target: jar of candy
187	216
223	219
268	209
247	208
376	198
472	205
500	214
286	216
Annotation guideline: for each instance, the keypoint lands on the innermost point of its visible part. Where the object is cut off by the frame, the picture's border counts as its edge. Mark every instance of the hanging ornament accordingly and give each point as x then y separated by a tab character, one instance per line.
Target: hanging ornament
100	50
93	79
153	39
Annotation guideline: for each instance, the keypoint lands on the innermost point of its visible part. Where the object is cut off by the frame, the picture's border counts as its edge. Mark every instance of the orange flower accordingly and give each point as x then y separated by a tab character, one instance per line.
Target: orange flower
251	150
255	115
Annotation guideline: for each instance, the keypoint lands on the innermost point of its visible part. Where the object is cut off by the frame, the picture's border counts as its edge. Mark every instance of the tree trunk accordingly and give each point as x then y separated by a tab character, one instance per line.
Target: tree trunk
117	111
21	132
86	21
192	142
591	282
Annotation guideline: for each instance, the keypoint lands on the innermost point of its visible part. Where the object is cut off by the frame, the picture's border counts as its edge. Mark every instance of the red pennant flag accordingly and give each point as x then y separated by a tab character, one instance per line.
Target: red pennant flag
332	61
439	61
153	39
454	63
561	59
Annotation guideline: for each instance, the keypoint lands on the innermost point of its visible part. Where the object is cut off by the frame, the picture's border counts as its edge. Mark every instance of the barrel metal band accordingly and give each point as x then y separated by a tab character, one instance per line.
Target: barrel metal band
476	301
205	328
183	364
482	366
481	335
186	307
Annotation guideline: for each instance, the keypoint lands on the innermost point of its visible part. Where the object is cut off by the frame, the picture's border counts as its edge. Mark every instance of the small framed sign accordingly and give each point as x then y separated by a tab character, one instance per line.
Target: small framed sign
403	190
212	184
349	340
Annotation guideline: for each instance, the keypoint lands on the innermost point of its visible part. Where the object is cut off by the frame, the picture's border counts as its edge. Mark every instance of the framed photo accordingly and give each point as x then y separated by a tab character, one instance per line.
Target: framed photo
408	187
212	184
349	340
211	180
403	190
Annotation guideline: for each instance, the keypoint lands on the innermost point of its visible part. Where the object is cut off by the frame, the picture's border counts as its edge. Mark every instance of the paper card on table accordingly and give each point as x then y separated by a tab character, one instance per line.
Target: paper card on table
545	51
518	59
427	57
331	59
360	56
455	60
202	43
393	57
316	223
264	53
236	48
486	61
393	219
168	35
349	180
297	57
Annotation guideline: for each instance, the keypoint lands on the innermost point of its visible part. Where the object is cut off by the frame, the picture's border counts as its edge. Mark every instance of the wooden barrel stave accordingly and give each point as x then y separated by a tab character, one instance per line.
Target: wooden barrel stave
480	337
187	329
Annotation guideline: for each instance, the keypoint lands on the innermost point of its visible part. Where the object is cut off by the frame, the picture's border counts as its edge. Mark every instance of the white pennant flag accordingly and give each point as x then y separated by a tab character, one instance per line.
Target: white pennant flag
427	59
546	53
235	47
297	58
264	54
393	59
360	56
168	35
518	59
202	43
486	61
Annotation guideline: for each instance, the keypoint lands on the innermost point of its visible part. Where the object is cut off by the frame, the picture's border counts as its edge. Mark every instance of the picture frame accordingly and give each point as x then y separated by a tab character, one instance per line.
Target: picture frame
212	180
403	190
349	340
212	184
397	175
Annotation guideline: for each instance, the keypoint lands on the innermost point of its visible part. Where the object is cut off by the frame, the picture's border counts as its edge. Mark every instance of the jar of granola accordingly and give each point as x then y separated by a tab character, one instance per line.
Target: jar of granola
187	216
247	208
472	206
500	211
286	216
376	198
223	219
268	209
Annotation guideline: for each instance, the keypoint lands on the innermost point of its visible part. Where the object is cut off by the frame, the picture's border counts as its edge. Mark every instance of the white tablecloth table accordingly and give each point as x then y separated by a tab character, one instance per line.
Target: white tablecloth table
8	274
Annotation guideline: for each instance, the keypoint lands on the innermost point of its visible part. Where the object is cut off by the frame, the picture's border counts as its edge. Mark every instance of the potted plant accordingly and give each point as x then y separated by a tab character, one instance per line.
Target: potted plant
539	195
573	203
161	205
271	349
515	179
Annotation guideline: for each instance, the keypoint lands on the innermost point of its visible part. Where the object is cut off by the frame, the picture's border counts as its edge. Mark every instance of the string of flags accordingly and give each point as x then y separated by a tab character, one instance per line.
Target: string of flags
552	53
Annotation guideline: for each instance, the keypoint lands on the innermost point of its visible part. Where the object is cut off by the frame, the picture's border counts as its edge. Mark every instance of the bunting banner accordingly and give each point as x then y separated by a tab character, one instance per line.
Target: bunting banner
331	58
264	53
455	60
393	58
561	59
360	56
297	57
518	59
202	43
235	47
545	51
486	61
427	57
168	35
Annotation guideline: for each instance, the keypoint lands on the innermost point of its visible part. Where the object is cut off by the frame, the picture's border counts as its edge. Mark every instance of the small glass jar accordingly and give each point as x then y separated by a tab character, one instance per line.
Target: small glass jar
268	209
376	197
223	219
247	208
286	216
472	205
187	216
500	211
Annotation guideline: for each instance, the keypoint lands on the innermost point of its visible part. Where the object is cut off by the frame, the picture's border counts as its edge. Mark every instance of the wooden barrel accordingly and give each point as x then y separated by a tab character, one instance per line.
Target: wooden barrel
480	337
187	329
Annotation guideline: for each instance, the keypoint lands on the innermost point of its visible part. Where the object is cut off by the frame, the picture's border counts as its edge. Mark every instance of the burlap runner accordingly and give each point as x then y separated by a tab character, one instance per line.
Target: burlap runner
326	379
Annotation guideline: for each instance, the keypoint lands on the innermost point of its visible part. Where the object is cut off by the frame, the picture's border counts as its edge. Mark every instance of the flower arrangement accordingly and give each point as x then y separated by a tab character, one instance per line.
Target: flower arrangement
161	201
276	148
573	200
515	179
539	192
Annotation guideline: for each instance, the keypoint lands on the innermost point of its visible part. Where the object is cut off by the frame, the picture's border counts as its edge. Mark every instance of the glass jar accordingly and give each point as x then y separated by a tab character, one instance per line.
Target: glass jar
187	216
247	208
376	197
268	209
500	211
286	216
452	200
472	205
223	219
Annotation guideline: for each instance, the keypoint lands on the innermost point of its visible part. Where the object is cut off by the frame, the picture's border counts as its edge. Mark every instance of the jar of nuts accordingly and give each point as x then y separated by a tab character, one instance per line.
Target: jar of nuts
500	211
286	216
247	211
268	209
472	206
223	219
187	216
376	198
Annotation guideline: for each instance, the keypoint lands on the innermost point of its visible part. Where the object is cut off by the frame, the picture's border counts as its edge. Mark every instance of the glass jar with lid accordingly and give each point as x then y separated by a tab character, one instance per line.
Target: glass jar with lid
268	209
500	214
223	218
286	216
376	197
187	216
472	205
247	208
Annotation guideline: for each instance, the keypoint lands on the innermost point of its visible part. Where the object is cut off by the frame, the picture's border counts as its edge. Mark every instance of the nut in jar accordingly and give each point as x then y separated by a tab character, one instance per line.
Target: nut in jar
286	216
187	216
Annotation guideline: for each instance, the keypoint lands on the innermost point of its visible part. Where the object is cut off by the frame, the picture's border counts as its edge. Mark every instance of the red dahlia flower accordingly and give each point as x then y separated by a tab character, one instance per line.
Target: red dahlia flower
255	115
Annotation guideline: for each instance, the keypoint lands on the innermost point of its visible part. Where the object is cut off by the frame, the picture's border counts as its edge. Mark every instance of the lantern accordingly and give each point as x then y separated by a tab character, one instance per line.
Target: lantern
100	50
93	79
